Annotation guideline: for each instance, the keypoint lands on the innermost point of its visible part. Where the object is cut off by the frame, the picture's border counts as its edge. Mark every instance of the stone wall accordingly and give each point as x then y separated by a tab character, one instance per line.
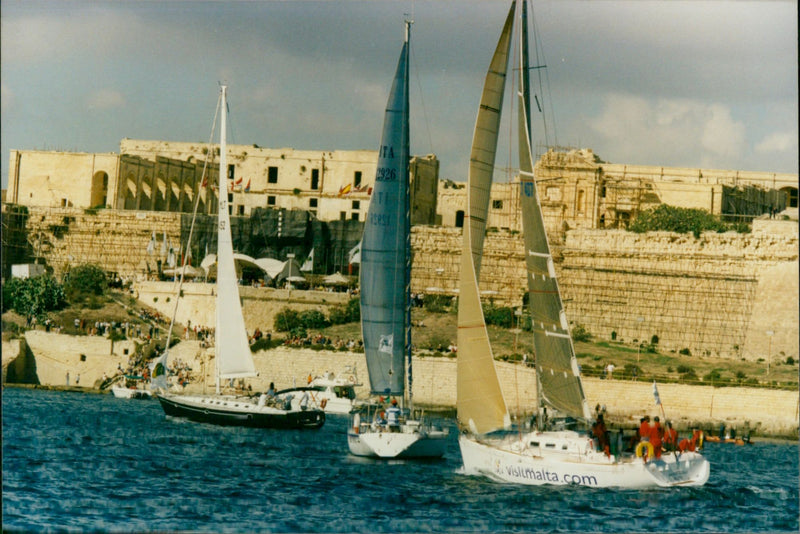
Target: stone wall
115	240
259	304
771	411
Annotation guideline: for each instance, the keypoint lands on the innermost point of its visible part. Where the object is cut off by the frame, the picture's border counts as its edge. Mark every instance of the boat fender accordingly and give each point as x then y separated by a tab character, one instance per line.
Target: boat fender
356	423
700	440
323	403
640	450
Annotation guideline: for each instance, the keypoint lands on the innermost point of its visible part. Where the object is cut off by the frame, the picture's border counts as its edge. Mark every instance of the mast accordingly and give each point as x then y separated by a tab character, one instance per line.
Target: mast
407	213
223	208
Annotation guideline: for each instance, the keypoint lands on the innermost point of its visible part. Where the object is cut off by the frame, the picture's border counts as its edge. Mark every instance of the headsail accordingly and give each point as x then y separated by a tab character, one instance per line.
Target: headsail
386	248
234	359
480	400
556	365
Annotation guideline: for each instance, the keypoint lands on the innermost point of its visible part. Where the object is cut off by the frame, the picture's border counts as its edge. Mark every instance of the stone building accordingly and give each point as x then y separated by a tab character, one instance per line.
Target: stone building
163	176
579	190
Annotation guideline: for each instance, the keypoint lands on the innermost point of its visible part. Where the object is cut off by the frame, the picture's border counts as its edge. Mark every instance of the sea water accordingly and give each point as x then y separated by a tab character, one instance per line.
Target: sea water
74	462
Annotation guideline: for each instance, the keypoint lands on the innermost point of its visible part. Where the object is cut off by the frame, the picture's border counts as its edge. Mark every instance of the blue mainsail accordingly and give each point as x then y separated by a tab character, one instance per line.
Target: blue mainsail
386	249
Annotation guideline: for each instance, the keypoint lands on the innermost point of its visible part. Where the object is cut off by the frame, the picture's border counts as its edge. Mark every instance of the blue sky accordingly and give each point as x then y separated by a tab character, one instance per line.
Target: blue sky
686	84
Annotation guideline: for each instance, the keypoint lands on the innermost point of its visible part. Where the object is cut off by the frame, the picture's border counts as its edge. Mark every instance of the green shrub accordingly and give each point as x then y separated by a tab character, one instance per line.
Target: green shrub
286	320
33	297
313	319
685	352
498	315
84	280
680	220
579	333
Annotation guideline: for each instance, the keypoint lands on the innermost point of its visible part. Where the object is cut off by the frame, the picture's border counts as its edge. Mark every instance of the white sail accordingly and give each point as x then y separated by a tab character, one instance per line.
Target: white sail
234	359
480	402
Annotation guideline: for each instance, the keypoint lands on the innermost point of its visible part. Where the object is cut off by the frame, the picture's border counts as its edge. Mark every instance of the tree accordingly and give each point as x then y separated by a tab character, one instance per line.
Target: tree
34	297
85	280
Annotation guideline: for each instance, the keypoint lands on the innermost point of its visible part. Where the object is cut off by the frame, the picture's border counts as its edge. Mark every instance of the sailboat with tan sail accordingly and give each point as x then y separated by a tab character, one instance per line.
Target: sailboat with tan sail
545	454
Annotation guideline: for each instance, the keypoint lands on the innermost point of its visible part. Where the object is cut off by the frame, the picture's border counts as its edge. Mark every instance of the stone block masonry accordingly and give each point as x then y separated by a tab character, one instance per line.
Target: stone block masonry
770	412
720	295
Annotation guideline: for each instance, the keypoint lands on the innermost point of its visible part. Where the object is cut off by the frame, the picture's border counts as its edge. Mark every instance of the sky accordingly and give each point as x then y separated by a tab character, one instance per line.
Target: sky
668	83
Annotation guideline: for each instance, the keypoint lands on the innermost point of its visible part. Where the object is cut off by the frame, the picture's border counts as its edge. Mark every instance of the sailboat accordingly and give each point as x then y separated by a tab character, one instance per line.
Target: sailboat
385	296
233	357
549	453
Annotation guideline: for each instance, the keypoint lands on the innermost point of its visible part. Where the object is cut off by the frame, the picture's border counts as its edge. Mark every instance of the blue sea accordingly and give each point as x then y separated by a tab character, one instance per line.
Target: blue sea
77	463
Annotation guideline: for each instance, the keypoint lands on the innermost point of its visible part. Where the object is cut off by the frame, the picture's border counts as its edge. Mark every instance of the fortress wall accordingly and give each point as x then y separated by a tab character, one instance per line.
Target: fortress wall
771	411
260	305
115	240
717	295
699	294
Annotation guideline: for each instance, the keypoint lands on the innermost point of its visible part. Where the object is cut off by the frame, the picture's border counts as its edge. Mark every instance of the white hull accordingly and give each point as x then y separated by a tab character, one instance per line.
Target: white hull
410	440
568	458
121	392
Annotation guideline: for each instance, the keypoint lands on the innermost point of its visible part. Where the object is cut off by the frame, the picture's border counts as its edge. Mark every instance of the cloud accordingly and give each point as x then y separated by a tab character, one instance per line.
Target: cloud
722	135
105	99
660	131
778	142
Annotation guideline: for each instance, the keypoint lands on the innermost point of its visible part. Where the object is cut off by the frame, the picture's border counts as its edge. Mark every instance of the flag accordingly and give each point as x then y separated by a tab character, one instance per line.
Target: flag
385	344
205	181
308	265
655	393
171	257
345	190
164	245
151	246
355	254
247	187
239	181
158	372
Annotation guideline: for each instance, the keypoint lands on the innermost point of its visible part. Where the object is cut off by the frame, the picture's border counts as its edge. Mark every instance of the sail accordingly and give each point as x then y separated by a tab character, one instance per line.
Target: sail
234	359
386	248
556	365
480	400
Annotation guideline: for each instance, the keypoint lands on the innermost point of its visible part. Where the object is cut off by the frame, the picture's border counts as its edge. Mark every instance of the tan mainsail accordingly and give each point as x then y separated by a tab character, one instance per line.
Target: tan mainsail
480	403
559	382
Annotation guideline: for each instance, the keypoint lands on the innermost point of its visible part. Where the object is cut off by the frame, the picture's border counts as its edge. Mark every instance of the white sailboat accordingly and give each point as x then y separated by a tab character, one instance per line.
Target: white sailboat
233	357
544	455
385	296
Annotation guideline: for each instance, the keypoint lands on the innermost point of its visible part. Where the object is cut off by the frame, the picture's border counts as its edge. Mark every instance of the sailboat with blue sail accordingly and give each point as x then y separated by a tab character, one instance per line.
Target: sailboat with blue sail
385	297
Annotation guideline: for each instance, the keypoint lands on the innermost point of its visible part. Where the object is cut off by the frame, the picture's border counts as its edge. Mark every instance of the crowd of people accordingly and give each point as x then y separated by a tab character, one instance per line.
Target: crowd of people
650	439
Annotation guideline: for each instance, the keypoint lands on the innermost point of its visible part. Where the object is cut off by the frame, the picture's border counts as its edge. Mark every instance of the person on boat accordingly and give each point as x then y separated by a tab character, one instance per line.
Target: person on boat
656	434
271	390
691	445
670	438
393	416
644	428
601	434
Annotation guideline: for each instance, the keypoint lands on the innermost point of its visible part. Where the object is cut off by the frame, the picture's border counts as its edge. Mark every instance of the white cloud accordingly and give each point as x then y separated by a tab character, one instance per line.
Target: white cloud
778	142
681	132
105	99
722	135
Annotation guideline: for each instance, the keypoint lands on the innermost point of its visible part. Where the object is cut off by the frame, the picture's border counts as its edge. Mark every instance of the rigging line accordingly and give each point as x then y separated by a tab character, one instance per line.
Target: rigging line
541	60
191	228
426	120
